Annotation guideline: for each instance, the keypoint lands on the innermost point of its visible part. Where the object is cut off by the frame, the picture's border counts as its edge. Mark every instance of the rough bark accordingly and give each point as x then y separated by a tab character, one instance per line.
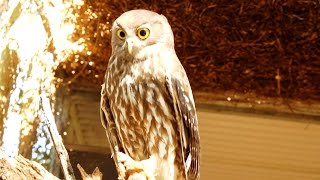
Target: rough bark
21	168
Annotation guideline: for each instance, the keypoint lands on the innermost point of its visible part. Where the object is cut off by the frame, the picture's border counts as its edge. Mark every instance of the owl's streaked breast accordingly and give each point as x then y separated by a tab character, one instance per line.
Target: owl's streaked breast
141	108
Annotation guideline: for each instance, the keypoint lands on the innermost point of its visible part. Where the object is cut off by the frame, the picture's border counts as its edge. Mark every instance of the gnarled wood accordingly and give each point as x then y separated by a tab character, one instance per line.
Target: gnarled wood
96	175
21	168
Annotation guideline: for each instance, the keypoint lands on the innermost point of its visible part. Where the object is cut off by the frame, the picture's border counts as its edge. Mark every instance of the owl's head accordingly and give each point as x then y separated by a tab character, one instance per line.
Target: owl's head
140	30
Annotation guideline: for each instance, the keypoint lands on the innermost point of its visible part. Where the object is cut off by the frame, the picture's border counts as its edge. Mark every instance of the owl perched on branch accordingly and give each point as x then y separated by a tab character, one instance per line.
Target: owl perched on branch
147	106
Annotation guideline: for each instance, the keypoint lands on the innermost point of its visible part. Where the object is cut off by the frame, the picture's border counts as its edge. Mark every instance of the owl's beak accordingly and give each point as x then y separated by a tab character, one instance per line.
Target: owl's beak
129	49
129	46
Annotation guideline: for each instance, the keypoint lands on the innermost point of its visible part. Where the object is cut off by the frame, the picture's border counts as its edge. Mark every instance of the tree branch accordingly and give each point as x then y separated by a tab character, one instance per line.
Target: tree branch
46	115
21	168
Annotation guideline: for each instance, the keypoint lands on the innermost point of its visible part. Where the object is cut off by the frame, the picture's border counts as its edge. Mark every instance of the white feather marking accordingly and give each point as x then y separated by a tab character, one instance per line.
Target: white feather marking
121	117
124	96
148	121
111	88
133	138
140	107
114	110
131	96
135	71
152	85
169	129
115	61
153	110
171	158
146	66
123	113
140	89
186	98
162	149
150	96
188	162
127	80
149	117
164	107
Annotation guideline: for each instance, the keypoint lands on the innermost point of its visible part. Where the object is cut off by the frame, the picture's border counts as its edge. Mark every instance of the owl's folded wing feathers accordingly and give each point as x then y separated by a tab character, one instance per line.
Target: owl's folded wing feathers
109	125
184	107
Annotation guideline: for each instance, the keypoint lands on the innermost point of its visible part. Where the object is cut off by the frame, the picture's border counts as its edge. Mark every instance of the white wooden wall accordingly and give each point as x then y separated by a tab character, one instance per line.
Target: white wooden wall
247	146
235	145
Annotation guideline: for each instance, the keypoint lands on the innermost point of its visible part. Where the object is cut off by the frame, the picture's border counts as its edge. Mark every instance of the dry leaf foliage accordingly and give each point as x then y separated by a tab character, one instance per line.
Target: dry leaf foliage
266	47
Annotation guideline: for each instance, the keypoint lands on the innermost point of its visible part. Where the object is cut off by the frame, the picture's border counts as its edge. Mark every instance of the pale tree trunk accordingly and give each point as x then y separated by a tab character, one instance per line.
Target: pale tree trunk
34	40
8	66
8	63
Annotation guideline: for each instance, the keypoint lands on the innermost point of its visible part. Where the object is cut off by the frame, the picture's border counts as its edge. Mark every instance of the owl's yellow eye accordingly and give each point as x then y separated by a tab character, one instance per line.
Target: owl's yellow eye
143	33
121	34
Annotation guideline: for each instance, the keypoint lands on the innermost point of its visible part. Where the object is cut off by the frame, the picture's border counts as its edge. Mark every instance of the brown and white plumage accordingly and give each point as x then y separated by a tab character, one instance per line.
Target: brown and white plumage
147	106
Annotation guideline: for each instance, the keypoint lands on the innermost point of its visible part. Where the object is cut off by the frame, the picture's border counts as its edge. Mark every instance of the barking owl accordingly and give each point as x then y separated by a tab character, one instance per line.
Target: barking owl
147	106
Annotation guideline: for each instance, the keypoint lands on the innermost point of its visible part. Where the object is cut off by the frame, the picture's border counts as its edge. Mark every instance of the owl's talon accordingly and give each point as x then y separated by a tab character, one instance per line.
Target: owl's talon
123	158
148	166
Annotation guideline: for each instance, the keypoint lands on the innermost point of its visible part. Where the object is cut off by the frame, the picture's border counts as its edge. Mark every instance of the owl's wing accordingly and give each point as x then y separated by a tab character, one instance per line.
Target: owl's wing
109	125
184	107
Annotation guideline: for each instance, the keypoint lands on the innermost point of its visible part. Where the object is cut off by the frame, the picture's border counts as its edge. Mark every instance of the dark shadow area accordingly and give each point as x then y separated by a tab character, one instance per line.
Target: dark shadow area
89	161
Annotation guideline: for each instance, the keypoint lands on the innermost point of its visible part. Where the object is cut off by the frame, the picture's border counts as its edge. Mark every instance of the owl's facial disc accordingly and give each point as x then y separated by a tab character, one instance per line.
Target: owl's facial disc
133	41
